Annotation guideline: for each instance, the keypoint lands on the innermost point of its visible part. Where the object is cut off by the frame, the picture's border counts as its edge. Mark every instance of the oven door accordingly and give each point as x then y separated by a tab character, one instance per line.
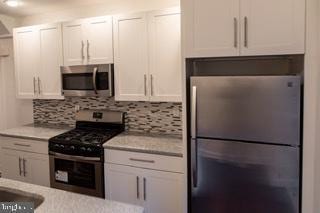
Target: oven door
87	80
77	174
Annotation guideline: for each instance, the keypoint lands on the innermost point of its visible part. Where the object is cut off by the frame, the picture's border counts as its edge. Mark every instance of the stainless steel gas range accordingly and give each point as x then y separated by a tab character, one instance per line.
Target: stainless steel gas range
77	156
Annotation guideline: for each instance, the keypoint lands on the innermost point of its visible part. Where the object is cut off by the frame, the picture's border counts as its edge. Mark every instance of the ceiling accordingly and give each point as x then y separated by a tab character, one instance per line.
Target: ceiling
31	7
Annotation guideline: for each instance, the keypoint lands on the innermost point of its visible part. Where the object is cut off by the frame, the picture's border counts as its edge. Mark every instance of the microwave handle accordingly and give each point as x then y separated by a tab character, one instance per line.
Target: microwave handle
94	79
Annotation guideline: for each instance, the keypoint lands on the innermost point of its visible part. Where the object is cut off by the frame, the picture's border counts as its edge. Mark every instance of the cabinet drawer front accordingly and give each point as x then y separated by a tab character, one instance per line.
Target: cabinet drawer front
143	160
24	145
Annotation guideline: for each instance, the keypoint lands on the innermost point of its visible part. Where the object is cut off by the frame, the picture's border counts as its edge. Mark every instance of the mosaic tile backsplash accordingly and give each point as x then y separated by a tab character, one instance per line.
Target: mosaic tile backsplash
141	116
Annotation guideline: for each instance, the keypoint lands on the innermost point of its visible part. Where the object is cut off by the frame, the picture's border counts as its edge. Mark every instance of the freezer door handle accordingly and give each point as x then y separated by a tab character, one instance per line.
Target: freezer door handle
194	162
194	155
194	112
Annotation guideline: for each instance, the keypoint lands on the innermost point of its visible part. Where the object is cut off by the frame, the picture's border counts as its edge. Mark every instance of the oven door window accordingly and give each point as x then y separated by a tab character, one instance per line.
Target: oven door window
84	81
75	173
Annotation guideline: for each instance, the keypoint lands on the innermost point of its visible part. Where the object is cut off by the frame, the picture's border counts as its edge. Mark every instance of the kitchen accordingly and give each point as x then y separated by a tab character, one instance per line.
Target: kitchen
120	99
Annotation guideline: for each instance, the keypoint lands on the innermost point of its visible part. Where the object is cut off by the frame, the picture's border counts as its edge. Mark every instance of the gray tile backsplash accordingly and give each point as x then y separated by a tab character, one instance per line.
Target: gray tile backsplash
141	116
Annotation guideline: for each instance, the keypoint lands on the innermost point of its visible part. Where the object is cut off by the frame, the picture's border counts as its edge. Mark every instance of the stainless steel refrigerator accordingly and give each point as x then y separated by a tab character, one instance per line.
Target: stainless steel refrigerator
244	145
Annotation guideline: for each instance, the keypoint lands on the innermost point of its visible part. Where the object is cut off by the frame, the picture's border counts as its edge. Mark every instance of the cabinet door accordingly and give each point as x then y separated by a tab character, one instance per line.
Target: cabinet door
165	55
99	42
131	57
12	165
74	43
26	51
49	82
272	27
162	192
123	184
37	168
211	27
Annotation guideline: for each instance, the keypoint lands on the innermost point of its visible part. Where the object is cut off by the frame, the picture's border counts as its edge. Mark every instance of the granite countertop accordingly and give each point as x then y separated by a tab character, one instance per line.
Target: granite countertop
146	143
62	201
35	132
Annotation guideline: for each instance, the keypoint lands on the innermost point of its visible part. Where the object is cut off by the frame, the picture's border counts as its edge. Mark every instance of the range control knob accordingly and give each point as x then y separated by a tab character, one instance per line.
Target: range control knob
62	146
89	149
72	147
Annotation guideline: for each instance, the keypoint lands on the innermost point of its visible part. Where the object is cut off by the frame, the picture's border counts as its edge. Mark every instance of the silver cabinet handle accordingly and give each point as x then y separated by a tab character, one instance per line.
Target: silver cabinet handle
151	84
138	190
246	31
94	80
34	85
39	86
145	85
82	49
20	172
88	50
194	145
235	25
24	145
144	188
142	160
24	167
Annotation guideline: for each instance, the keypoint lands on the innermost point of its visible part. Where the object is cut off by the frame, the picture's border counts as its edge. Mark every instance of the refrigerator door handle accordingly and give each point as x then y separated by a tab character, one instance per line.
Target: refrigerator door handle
194	149
194	113
194	162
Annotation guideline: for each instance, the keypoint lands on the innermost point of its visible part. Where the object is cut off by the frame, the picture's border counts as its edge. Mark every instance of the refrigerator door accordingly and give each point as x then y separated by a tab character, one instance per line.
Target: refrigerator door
247	108
238	177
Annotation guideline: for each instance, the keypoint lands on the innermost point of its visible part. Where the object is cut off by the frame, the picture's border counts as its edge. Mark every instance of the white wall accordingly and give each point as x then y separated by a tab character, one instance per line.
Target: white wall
112	7
311	149
317	143
14	112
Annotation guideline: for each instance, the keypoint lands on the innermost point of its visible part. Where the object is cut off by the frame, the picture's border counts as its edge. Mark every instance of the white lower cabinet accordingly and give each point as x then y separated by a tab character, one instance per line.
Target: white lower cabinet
122	184
156	190
18	163
162	191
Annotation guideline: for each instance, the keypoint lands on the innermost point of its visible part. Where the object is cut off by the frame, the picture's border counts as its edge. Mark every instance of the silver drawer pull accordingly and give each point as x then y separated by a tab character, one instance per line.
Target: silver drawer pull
142	160
24	145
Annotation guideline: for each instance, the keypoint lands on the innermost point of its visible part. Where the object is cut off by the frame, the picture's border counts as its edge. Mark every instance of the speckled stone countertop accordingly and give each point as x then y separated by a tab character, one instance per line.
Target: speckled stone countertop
58	201
35	132
146	143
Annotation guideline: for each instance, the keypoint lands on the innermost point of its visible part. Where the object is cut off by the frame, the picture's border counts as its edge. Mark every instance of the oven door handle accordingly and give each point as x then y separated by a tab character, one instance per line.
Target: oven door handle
94	79
74	157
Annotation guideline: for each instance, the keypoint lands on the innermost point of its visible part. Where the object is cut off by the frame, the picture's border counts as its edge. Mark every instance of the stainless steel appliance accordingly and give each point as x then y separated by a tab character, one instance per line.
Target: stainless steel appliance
77	156
244	144
90	80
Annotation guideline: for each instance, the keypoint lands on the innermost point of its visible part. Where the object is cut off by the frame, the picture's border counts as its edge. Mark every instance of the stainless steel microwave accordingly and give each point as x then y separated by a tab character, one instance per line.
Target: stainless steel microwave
87	80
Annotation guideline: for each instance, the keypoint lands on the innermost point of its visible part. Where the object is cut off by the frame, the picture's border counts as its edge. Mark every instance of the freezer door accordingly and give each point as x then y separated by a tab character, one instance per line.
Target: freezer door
236	177
249	108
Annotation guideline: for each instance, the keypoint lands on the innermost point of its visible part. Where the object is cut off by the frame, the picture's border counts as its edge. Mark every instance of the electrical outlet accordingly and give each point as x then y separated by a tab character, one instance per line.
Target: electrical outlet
77	108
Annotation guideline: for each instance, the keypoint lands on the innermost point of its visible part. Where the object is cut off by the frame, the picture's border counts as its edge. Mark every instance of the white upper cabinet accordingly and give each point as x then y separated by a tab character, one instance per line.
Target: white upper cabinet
211	27
272	27
99	42
131	57
148	56
26	54
88	41
214	28
73	43
165	55
38	57
51	58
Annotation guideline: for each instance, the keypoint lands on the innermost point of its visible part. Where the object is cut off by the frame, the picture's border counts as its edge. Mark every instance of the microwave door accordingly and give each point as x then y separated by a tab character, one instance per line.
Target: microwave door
87	80
248	108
